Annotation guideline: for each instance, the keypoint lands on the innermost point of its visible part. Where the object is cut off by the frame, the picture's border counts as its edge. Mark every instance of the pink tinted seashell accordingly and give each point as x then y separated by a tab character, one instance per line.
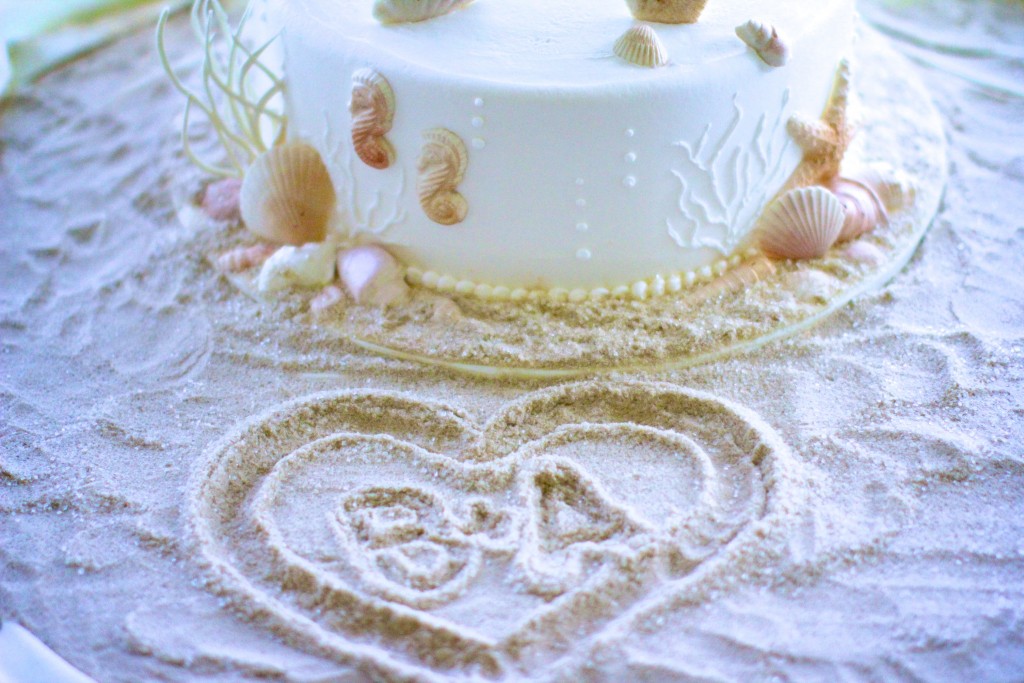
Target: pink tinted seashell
243	258
329	297
764	39
802	224
865	210
864	252
372	276
220	199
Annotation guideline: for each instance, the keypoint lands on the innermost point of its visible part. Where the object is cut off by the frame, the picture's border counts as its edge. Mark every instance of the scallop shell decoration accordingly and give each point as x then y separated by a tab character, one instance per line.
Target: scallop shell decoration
442	166
373	112
802	224
408	11
765	41
640	45
667	11
287	196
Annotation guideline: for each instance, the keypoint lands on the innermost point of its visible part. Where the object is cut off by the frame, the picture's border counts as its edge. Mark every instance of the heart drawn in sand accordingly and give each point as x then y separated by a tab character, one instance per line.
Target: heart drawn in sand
398	535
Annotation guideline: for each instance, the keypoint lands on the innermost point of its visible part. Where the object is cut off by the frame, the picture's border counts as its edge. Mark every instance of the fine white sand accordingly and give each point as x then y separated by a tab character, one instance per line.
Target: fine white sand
192	489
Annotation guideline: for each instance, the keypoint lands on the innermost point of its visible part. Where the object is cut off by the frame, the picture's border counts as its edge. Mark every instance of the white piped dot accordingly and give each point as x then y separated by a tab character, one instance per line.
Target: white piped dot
478	102
581	202
559	294
580	182
478	122
582	227
630	132
629	181
446	283
479	143
631	157
584	254
578	295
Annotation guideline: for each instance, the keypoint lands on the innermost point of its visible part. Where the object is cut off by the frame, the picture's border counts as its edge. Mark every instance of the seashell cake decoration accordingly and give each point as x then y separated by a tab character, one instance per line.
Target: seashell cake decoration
287	196
667	11
408	11
442	166
824	141
869	195
373	112
802	224
765	41
640	45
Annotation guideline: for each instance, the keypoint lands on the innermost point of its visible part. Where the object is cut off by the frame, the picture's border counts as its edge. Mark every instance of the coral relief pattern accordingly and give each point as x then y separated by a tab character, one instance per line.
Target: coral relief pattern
735	181
399	535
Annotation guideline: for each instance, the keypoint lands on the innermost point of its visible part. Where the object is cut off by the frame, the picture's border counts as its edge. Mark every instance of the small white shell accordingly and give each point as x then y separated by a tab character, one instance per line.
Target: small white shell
667	11
287	196
311	265
801	224
408	11
765	41
640	45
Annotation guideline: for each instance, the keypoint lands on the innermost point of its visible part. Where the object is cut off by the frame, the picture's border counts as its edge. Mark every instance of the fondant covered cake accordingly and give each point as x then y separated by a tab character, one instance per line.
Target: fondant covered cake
522	144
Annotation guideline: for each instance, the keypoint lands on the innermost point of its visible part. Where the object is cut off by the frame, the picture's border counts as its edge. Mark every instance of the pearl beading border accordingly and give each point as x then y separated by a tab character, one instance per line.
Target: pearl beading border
641	290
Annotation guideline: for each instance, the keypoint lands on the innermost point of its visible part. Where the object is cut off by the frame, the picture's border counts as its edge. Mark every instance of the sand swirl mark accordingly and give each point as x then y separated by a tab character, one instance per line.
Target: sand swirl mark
397	534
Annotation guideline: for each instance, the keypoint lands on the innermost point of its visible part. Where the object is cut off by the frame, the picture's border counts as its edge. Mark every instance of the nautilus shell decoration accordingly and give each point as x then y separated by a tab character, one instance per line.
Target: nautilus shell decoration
408	11
442	166
667	11
765	41
373	113
802	224
640	45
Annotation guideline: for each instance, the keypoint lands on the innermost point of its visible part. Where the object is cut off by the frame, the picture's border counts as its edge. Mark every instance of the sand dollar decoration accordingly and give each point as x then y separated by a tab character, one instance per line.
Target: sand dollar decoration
442	166
350	518
373	113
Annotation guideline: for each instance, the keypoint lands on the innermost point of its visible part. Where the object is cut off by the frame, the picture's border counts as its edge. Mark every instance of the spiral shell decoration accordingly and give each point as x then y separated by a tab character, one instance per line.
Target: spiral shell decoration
667	11
442	166
640	45
287	196
765	41
802	224
373	112
408	11
869	194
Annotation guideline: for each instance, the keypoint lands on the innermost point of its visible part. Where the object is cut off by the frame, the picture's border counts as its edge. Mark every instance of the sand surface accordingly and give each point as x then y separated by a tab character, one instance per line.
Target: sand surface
192	491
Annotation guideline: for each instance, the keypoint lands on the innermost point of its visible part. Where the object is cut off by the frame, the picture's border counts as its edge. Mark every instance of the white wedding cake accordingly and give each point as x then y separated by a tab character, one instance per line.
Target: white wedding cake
502	147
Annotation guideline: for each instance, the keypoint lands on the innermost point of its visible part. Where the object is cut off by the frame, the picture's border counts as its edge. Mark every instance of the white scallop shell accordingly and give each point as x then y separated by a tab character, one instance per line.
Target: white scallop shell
640	45
287	196
801	224
407	11
765	41
667	11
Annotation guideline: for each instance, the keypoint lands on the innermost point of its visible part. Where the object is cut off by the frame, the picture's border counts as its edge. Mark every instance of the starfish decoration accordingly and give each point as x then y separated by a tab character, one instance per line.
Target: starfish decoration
824	141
